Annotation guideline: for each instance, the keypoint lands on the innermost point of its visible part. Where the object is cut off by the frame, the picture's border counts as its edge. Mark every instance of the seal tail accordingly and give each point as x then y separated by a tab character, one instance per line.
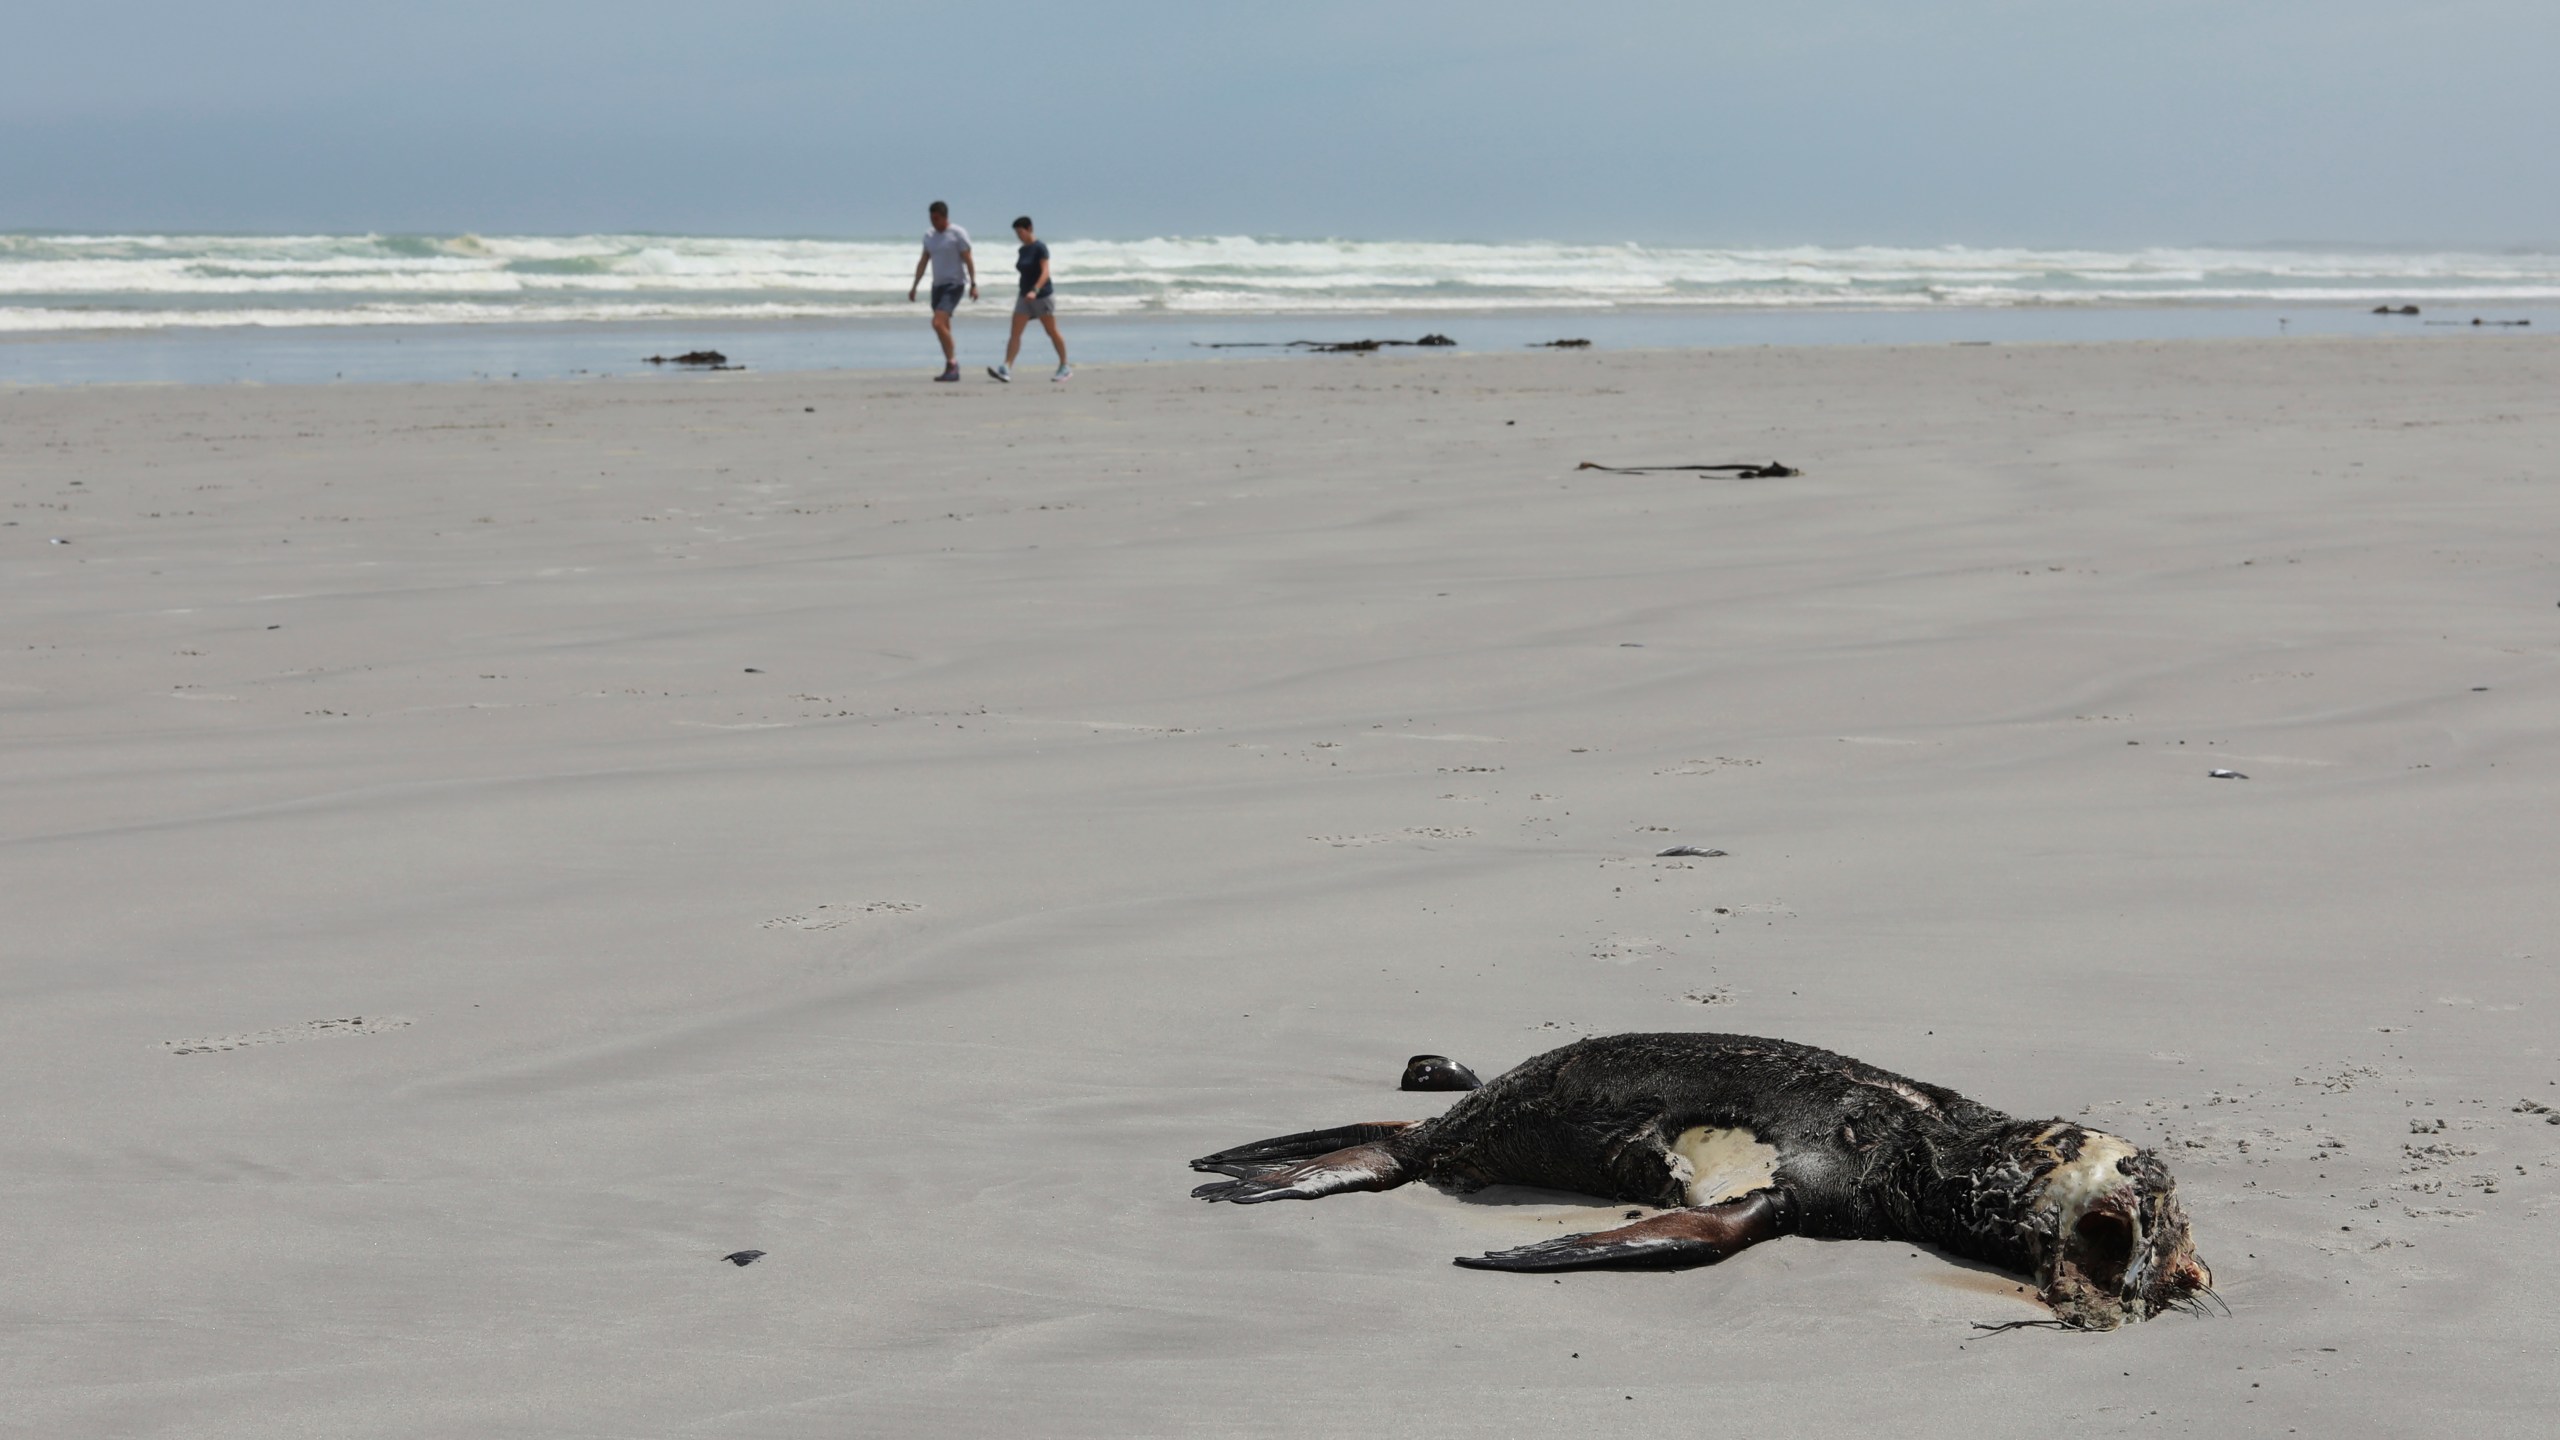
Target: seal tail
1308	1165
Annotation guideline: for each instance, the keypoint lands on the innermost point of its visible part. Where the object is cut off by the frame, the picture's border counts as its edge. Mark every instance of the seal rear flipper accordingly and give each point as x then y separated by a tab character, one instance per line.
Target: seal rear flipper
1264	1156
1674	1240
1359	1167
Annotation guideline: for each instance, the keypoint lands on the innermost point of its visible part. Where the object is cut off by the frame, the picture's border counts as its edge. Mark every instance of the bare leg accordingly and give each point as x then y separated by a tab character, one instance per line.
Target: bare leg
942	332
1013	344
1674	1239
1050	324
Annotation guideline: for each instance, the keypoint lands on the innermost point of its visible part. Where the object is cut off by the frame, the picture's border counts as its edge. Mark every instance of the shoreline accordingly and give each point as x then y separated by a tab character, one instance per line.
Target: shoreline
391	354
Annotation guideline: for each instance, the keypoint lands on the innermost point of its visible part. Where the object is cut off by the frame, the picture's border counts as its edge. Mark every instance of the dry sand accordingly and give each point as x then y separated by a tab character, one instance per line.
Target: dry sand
476	854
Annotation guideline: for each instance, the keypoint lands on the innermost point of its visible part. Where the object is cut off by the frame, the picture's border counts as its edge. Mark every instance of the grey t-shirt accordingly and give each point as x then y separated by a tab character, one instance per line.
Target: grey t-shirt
946	246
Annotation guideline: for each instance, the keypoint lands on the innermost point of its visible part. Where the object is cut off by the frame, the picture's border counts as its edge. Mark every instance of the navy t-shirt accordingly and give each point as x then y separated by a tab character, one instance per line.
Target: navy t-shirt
1028	262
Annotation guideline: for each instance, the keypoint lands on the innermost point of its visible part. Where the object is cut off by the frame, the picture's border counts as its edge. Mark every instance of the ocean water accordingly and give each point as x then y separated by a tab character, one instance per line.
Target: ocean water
316	307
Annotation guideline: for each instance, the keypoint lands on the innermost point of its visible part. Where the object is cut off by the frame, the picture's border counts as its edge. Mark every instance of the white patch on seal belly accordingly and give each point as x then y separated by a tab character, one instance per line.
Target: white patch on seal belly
1723	1163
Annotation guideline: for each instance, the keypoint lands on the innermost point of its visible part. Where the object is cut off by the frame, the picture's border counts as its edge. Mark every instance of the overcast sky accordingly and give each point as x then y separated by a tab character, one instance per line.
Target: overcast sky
2097	122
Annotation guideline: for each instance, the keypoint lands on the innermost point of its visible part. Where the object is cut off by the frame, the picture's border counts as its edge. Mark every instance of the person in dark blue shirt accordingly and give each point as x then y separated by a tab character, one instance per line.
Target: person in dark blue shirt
1038	301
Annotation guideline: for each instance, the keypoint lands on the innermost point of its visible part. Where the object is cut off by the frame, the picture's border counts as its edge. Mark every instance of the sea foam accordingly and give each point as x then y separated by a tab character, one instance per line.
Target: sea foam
54	282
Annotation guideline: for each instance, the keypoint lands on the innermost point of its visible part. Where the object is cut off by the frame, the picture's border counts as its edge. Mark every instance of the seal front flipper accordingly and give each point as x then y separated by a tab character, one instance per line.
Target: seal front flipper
1674	1240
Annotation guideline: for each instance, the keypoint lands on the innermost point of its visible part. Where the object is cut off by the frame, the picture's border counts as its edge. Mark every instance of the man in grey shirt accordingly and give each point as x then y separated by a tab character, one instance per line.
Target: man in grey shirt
946	249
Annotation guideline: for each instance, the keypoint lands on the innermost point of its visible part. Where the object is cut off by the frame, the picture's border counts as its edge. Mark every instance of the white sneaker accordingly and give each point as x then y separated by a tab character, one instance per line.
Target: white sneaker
1063	373
1000	373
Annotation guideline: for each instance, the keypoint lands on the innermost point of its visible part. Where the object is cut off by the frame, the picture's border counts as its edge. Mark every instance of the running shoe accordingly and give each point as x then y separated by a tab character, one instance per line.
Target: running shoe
1063	373
1001	374
950	375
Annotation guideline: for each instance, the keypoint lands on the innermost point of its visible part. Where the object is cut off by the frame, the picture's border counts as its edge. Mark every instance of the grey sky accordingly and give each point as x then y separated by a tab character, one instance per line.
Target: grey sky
2100	122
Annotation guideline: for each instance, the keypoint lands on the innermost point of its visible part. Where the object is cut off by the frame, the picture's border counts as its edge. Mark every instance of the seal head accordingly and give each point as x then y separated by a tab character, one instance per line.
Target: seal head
2110	1240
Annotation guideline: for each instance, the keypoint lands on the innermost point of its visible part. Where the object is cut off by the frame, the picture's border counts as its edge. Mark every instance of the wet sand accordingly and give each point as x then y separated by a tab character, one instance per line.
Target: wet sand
477	854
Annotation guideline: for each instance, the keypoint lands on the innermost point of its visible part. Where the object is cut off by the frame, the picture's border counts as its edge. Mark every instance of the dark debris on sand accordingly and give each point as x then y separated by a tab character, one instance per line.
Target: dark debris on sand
1773	470
1437	1072
1325	347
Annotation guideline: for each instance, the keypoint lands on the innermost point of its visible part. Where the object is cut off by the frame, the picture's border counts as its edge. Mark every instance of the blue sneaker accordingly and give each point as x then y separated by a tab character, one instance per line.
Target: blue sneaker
1001	374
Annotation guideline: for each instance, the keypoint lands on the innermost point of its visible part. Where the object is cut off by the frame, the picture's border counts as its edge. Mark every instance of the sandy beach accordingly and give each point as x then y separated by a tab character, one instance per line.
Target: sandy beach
476	854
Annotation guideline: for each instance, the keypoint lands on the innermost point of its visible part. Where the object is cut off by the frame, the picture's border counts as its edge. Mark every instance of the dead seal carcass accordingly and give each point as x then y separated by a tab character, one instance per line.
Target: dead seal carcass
1745	1139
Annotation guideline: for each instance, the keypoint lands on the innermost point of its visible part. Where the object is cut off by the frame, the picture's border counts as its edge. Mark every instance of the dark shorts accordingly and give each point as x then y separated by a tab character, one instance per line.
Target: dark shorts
1035	307
946	298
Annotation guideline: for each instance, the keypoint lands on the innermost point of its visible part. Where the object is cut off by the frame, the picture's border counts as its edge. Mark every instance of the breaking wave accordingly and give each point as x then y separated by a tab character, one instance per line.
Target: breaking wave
51	282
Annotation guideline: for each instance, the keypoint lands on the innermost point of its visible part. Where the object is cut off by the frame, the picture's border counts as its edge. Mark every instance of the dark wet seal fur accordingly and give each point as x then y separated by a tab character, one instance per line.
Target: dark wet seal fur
743	1258
1853	1153
1437	1072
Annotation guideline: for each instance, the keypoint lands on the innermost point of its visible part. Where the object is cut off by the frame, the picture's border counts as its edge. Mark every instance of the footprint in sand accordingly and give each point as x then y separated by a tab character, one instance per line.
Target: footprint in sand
286	1034
1414	832
1708	766
828	917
